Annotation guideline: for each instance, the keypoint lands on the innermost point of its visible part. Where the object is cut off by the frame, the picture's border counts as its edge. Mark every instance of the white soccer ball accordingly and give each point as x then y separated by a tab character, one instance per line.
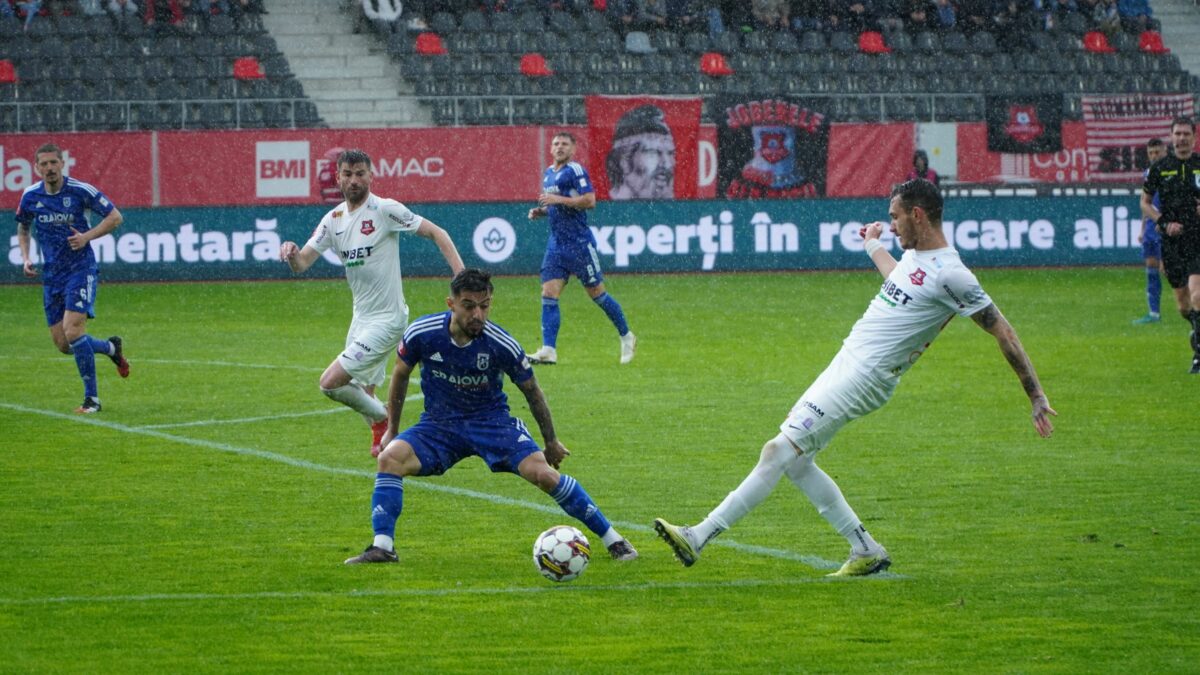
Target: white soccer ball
561	553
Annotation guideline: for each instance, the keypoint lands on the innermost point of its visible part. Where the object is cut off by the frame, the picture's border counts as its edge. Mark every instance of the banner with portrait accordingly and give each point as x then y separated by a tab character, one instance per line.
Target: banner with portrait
1118	127
771	148
649	145
1024	124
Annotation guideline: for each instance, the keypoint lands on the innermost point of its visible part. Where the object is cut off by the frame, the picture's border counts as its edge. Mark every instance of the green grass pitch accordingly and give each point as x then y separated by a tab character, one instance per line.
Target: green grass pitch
198	524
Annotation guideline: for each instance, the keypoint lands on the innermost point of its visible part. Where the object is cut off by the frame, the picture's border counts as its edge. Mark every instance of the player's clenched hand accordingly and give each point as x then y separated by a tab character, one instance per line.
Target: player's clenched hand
1041	416
29	269
537	212
555	453
76	240
288	250
871	230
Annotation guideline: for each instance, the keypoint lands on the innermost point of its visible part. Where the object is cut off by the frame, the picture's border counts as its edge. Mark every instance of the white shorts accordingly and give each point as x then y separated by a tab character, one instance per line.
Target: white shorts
369	343
840	394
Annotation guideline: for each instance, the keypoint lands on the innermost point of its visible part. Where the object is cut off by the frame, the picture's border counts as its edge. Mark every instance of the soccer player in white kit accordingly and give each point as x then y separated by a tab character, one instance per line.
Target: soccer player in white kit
921	293
364	232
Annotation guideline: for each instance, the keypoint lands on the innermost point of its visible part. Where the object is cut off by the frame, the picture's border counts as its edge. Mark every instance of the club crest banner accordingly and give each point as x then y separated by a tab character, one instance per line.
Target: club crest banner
649	146
771	148
1024	124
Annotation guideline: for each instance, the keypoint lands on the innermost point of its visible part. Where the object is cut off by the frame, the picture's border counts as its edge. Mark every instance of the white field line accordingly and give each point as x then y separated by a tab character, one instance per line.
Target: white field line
810	560
189	362
732	584
263	418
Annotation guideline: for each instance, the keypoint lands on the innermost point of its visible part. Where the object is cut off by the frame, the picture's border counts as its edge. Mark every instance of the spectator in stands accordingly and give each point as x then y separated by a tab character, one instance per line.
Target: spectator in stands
1054	11
946	16
684	15
6	8
918	16
1011	21
920	169
122	8
890	14
623	15
855	16
1135	14
205	7
770	14
807	14
1104	15
974	16
91	7
736	14
239	7
169	11
28	9
651	15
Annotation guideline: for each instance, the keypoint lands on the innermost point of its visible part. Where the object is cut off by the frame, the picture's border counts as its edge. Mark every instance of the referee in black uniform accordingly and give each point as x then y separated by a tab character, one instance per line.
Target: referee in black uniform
1176	179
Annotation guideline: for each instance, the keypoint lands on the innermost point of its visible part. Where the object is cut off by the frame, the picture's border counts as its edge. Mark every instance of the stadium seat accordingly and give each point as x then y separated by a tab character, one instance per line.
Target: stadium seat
220	24
756	42
502	22
1096	42
841	41
955	42
444	23
534	65
983	42
666	41
871	42
714	64
784	42
247	68
637	42
429	44
1150	41
8	72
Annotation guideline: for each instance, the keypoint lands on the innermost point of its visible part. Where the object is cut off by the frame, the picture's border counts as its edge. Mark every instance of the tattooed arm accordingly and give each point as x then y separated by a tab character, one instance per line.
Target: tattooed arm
991	320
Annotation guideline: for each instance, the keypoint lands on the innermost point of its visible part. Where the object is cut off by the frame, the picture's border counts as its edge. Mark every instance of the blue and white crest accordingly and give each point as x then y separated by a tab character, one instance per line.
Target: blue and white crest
482	361
67	201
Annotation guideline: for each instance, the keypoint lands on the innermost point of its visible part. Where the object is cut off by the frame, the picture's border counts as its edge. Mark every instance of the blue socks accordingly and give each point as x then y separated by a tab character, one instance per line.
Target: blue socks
1153	289
551	320
85	361
386	503
571	496
613	309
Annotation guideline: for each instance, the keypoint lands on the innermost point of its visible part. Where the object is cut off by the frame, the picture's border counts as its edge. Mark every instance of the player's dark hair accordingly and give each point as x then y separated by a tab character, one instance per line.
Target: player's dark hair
48	147
1155	143
922	193
352	157
565	134
471	280
920	154
1185	120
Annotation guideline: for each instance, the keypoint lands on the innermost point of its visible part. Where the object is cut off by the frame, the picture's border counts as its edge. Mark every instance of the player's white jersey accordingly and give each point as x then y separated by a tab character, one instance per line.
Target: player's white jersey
916	301
367	241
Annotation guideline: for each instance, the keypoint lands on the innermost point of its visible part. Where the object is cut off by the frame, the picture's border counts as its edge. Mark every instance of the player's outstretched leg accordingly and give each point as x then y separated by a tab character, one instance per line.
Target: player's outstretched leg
117	354
616	315
573	499
386	503
867	556
681	540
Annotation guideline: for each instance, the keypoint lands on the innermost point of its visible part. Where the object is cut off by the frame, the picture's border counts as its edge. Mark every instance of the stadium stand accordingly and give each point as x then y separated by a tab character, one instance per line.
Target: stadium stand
103	73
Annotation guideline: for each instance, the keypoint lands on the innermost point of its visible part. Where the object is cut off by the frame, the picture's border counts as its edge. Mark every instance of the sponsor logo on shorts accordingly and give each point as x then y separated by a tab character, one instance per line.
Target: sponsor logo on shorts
813	407
366	348
807	423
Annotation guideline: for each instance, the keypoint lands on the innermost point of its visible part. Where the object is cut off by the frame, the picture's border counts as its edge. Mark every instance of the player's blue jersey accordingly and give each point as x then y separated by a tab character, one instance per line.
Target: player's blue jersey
53	216
567	224
467	381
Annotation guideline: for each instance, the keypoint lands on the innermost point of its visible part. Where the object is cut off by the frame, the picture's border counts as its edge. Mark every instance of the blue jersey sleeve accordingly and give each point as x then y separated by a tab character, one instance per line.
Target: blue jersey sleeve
511	359
581	182
98	203
24	213
409	350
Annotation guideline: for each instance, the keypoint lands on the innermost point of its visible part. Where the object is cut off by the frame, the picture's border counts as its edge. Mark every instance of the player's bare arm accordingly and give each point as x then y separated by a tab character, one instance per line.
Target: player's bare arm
880	256
555	451
1148	210
298	259
397	391
581	202
112	221
23	243
991	320
444	243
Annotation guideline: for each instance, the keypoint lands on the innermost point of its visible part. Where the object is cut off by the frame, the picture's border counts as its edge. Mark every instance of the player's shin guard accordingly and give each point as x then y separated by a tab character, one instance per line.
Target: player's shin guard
573	499
613	309
85	361
386	503
551	320
358	400
776	455
824	495
1153	289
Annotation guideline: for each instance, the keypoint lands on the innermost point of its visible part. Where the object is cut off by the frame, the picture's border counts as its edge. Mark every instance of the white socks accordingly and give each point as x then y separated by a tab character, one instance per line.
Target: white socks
779	457
354	397
384	542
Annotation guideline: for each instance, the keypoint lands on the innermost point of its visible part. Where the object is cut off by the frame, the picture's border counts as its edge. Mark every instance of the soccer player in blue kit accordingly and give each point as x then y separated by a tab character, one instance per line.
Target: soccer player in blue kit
1152	242
567	194
464	358
70	278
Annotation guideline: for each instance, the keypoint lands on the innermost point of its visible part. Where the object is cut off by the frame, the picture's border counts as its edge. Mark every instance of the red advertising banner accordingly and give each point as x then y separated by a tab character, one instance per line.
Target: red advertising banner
1119	125
650	146
118	164
865	160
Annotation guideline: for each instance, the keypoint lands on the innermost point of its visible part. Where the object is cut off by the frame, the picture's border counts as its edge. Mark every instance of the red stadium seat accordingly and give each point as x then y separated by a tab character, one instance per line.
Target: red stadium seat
1095	41
247	68
534	65
871	42
714	63
1151	41
600	5
429	44
8	72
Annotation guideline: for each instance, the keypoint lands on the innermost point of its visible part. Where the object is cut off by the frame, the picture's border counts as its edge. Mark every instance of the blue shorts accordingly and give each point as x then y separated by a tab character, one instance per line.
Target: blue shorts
1151	241
75	292
578	259
501	442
